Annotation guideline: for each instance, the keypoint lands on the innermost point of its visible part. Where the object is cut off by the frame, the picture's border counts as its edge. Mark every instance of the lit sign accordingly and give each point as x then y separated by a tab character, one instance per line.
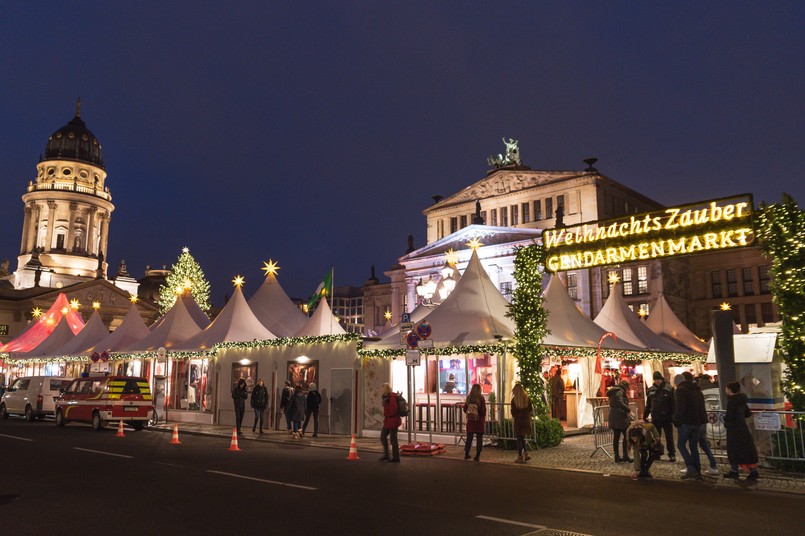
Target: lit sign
3	329
697	228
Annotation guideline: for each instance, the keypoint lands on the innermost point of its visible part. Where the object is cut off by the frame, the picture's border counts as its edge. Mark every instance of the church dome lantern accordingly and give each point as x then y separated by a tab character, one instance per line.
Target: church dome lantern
74	141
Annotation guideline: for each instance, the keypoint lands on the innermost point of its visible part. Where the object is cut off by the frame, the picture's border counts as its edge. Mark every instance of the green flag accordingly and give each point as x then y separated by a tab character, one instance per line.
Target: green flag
325	288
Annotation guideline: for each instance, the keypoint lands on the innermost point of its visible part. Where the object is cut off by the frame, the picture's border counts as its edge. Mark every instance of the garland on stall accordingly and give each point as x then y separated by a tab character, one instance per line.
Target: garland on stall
448	350
781	230
531	321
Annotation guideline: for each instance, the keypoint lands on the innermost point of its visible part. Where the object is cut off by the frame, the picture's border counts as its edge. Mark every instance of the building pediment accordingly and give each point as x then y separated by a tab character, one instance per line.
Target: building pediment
504	181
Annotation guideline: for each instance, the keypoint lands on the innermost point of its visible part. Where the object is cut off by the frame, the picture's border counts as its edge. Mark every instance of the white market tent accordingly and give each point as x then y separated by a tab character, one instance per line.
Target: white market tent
176	326
131	330
616	317
275	310
235	323
664	322
323	322
94	332
61	335
390	338
192	307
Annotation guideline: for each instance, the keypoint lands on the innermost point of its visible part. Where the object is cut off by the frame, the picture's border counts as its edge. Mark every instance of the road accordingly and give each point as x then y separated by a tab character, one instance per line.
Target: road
74	481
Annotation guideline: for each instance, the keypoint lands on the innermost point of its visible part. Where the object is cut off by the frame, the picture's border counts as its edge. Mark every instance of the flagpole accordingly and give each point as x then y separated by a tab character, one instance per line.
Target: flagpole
332	291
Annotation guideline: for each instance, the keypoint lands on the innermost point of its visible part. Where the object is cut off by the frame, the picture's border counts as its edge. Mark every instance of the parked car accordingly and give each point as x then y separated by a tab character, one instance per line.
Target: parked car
32	396
103	399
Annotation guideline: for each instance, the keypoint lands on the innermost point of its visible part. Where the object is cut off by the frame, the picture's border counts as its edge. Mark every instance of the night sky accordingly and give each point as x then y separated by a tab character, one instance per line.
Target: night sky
316	133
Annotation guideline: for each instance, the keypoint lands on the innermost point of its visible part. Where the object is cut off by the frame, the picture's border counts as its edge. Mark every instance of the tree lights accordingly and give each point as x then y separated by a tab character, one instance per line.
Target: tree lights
185	273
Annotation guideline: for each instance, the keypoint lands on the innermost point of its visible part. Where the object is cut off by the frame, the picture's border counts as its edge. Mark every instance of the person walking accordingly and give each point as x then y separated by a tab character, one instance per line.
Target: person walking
619	419
741	450
475	409
297	406
522	410
239	396
391	421
557	394
285	399
313	403
259	403
689	416
660	407
644	440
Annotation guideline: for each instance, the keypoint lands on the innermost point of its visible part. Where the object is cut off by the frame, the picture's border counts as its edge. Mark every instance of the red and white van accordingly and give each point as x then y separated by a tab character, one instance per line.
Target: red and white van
102	399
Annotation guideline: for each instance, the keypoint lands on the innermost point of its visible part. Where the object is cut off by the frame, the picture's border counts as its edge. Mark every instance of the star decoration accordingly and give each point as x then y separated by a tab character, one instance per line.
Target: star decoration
474	244
642	312
726	306
238	281
451	257
74	304
96	305
64	310
270	268
133	298
613	278
387	315
37	312
185	249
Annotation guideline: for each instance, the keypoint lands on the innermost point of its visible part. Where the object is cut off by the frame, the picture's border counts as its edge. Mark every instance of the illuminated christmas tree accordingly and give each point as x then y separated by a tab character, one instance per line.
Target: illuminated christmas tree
185	274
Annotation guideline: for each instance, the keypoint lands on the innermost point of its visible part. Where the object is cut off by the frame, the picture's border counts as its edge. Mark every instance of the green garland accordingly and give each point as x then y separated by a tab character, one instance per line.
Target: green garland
781	232
531	321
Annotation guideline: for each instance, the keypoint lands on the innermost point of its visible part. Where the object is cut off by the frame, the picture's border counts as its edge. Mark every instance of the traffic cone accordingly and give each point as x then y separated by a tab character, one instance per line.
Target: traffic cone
233	445
175	438
120	430
353	449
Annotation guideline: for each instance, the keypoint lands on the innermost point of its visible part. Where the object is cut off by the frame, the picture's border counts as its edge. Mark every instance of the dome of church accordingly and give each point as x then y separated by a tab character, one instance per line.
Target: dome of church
74	141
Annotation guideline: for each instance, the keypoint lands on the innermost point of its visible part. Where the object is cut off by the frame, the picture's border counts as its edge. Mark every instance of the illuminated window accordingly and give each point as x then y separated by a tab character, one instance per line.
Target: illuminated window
749	283
626	280
504	217
453	225
526	214
537	210
549	208
732	282
573	286
715	284
494	213
515	215
765	278
642	279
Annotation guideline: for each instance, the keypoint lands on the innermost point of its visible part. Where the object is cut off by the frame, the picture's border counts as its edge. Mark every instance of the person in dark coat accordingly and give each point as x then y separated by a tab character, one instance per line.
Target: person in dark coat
660	407
239	396
619	419
313	403
690	416
285	399
522	409
297	405
557	394
644	438
259	403
391	421
475	409
741	448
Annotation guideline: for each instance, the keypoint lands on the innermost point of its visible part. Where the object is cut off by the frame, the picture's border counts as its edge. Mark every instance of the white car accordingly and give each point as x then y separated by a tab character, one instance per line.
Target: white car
32	396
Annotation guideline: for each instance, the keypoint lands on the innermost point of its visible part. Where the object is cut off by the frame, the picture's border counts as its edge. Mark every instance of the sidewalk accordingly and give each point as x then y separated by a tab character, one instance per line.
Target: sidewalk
572	455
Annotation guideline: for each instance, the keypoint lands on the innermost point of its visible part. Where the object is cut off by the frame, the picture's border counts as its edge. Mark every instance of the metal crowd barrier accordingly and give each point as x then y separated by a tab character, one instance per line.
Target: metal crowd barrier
498	425
602	433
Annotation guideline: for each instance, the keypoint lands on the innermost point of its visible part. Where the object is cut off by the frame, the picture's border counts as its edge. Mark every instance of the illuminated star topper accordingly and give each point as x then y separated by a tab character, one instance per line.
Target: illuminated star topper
387	315
64	310
74	304
474	244
270	268
185	249
37	312
238	281
613	278
96	305
725	306
133	298
451	257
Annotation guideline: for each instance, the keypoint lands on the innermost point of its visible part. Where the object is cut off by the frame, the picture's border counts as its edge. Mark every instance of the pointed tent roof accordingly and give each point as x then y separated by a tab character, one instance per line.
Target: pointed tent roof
474	313
177	326
199	316
616	317
275	310
663	321
131	330
88	337
60	336
322	322
235	323
569	326
35	334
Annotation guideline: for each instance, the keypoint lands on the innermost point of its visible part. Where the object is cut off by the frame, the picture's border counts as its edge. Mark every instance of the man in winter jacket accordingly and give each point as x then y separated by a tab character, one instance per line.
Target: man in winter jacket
690	416
259	403
239	396
285	404
660	406
619	419
391	421
313	403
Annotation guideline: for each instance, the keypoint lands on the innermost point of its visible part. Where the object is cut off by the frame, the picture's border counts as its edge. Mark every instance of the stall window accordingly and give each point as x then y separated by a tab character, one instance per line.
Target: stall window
715	284
765	277
506	288
573	286
452	376
732	282
749	282
526	215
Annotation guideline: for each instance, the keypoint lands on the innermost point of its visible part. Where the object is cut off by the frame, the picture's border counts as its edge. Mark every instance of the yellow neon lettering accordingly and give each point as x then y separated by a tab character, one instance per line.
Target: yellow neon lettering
715	212
623	229
627	253
676	247
710	241
729	212
695	244
612	256
658	249
642	249
740	209
552	263
671	223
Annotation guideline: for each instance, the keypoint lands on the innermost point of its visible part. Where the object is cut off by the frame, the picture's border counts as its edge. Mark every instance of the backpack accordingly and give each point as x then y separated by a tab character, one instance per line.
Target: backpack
402	406
662	402
472	412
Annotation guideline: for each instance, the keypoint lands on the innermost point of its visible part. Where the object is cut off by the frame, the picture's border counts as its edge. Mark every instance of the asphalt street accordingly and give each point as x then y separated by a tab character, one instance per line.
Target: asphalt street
74	481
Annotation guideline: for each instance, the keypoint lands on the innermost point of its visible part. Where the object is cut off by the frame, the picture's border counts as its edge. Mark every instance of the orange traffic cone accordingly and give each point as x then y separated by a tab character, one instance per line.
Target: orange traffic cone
233	445
175	438
120	430
353	449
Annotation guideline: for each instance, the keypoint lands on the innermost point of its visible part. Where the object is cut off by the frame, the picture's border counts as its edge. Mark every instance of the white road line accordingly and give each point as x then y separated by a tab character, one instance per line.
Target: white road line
263	480
511	522
102	452
15	437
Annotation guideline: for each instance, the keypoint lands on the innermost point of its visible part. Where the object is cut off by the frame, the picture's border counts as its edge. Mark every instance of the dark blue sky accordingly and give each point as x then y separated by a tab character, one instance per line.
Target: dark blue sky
315	133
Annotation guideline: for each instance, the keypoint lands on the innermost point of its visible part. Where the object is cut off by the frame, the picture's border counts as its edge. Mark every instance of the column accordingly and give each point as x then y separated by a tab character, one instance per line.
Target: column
71	227
89	239
105	217
25	223
51	225
33	227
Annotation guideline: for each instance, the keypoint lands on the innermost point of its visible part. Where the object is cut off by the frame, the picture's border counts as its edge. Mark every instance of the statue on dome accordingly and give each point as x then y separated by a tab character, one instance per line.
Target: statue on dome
4	268
511	158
